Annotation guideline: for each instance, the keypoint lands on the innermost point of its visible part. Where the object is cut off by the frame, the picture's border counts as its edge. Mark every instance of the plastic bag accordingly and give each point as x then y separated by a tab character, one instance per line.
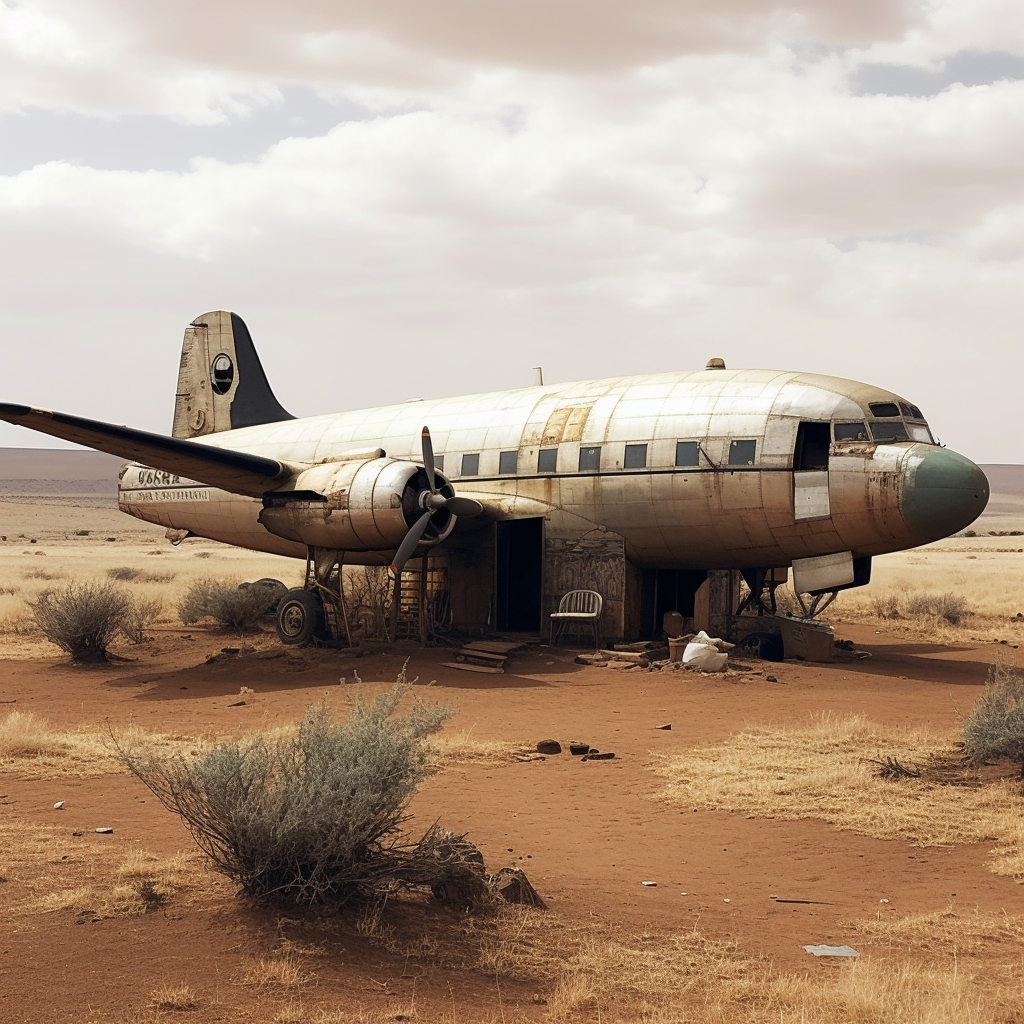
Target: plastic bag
703	654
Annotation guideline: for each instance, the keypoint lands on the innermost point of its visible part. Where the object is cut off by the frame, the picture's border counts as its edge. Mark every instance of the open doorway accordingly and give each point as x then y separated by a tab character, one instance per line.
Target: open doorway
520	551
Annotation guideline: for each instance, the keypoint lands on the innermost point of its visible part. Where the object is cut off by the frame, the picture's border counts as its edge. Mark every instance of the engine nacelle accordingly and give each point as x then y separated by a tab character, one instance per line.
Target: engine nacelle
359	505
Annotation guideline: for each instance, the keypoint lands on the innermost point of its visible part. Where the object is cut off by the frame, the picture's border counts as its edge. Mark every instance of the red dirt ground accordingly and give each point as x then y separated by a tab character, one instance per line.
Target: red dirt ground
587	833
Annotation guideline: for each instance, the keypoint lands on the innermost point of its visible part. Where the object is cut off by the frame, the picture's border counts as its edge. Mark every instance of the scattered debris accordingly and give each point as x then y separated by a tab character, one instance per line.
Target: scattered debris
549	747
727	900
512	885
667	726
237	704
832	950
783	899
890	768
576	748
883	901
706	654
484	656
770	679
650	885
105	831
59	805
597	756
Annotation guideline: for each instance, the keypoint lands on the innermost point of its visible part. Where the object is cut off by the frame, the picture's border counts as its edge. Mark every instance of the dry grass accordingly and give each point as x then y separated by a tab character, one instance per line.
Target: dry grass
691	978
464	747
279	971
819	771
38	751
177	998
946	933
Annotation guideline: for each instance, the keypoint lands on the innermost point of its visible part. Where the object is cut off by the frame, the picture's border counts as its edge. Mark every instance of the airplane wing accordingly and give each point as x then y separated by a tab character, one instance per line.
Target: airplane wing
229	470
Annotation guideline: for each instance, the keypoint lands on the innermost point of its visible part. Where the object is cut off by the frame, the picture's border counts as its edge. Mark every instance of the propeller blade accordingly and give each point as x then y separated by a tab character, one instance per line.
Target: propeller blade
428	460
409	544
463	506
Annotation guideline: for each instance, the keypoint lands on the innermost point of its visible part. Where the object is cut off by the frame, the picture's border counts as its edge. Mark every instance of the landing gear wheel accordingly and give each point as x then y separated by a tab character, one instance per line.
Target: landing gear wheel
300	617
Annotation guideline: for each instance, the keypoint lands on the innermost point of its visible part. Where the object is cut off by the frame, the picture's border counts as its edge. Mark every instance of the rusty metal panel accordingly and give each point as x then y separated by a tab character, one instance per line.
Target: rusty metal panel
822	572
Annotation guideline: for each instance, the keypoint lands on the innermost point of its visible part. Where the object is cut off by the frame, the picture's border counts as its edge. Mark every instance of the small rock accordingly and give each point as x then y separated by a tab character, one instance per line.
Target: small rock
237	704
770	679
59	805
576	748
106	831
549	747
666	726
606	756
230	650
727	900
650	885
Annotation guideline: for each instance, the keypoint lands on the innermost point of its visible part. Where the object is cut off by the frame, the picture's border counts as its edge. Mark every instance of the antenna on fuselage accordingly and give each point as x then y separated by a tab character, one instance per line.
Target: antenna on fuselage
538	376
715	364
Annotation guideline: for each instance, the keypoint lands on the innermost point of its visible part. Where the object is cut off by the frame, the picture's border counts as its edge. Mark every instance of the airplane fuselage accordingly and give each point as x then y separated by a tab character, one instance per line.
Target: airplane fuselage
709	469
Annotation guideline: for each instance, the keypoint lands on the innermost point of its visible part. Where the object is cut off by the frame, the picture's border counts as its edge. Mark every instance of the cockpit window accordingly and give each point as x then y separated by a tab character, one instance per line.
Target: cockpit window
884	409
920	432
918	415
850	431
888	430
906	410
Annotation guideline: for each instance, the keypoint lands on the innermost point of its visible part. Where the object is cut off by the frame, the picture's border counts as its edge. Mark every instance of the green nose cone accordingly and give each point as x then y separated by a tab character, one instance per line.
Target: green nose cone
943	493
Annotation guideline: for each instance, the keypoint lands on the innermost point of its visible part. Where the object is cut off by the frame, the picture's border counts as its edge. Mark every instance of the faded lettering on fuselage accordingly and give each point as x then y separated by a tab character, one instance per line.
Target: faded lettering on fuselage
141	497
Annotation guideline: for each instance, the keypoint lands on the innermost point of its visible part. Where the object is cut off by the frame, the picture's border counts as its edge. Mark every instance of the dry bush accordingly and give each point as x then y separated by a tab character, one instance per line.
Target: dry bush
124	573
946	607
995	726
6	590
174	997
312	815
946	933
822	771
235	607
278	971
463	747
367	593
82	618
142	612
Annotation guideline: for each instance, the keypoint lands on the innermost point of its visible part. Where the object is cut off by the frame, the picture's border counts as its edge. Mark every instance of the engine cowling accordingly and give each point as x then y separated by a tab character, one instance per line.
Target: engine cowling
365	505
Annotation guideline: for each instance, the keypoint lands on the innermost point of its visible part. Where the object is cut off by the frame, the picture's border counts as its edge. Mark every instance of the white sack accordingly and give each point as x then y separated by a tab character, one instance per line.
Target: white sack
702	654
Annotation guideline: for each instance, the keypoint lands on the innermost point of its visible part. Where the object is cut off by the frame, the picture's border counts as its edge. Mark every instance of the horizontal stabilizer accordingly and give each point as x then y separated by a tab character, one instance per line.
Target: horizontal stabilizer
217	467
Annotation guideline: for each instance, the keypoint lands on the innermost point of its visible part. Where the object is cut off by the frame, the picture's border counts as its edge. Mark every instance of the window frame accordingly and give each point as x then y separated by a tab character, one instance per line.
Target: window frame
634	448
541	459
733	447
592	454
503	470
475	463
696	455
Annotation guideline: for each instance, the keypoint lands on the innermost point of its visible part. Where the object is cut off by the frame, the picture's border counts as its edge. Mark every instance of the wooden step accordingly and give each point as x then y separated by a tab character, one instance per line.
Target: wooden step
465	666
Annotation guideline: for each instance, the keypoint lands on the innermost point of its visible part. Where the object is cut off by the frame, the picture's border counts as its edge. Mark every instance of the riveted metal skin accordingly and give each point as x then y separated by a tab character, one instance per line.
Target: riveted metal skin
880	496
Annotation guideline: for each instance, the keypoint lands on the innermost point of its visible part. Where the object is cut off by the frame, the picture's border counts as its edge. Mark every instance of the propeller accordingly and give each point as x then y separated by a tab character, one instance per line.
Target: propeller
431	500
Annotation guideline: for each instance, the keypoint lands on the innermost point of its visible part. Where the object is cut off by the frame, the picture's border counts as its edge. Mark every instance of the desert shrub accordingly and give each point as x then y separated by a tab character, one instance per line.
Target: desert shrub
949	607
82	618
232	606
314	814
142	612
995	726
124	573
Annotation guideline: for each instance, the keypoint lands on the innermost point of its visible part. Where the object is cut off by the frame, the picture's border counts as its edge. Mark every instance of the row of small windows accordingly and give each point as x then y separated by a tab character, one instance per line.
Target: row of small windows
741	453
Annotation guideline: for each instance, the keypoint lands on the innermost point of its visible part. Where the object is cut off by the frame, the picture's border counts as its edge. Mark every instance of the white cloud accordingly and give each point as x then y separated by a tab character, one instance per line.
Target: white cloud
663	185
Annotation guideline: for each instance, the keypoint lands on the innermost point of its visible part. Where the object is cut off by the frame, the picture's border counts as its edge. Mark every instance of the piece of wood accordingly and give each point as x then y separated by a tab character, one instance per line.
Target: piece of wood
465	666
492	646
486	655
636	659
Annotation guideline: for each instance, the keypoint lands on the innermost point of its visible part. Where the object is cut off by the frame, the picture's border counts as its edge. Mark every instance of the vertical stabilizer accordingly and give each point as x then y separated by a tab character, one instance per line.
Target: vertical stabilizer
221	383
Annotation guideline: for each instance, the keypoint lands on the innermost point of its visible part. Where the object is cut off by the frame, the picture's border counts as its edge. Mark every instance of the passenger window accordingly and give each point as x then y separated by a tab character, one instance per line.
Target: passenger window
547	460
636	456
741	453
687	453
850	431
884	409
888	430
471	465
507	462
439	462
590	460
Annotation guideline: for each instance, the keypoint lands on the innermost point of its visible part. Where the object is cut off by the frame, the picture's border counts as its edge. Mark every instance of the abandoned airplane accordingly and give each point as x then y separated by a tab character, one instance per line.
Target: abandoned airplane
634	487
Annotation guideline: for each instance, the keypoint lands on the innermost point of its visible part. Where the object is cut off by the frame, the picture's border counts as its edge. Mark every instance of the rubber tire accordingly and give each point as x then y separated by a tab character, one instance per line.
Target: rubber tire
767	646
300	617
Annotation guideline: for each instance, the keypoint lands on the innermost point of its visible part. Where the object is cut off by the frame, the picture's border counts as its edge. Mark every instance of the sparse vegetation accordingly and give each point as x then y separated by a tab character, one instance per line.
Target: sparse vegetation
314	815
824	770
946	607
141	613
995	726
174	997
82	618
235	607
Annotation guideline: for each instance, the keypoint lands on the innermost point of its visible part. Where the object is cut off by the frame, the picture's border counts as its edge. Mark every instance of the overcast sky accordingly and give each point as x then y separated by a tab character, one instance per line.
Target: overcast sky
415	198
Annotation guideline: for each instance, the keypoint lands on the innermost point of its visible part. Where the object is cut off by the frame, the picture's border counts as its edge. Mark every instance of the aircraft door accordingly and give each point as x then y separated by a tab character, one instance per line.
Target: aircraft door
810	471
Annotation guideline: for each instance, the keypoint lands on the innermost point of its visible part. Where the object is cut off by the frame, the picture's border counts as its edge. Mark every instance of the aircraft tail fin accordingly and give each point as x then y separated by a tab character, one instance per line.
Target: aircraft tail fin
221	382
